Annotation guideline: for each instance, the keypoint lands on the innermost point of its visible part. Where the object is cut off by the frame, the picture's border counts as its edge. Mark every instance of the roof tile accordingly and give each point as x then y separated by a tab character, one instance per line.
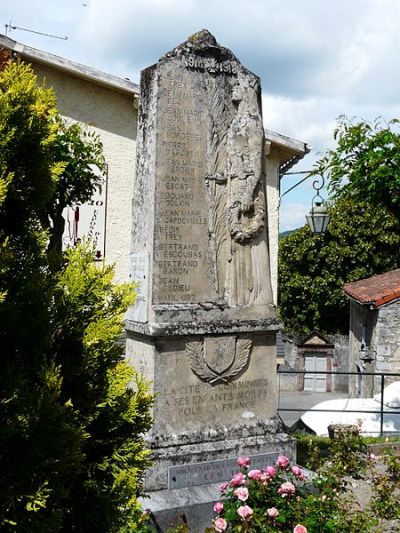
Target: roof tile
376	290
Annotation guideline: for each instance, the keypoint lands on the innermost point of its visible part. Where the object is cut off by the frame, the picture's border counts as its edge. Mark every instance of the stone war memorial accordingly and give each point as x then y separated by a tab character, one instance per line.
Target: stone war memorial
203	330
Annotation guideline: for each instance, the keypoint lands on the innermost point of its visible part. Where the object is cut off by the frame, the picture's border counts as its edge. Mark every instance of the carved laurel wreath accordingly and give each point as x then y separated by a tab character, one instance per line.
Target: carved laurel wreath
195	353
236	230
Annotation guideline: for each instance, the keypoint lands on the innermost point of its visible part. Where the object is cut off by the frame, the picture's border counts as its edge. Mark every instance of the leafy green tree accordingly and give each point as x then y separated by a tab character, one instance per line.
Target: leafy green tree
72	412
361	240
365	162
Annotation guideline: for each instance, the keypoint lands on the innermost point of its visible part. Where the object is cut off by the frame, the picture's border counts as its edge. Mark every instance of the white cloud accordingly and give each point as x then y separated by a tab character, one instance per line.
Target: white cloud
309	120
292	215
317	59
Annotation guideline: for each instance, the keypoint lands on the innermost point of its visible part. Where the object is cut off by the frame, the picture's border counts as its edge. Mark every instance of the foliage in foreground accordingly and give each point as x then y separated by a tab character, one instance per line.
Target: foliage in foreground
361	240
284	498
72	413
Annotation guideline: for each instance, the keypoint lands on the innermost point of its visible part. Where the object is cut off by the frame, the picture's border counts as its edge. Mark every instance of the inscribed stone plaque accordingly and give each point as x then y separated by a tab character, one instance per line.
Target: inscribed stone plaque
184	402
191	475
182	271
139	272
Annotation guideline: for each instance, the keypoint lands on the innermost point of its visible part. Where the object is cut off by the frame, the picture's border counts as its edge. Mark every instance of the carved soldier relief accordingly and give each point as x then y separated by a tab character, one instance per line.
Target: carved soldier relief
236	191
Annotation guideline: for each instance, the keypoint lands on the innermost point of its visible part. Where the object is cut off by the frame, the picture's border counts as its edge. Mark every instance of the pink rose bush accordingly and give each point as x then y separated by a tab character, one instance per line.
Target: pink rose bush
300	529
270	471
241	494
270	500
282	462
237	480
220	524
298	472
243	462
254	474
245	512
218	507
286	489
258	499
285	498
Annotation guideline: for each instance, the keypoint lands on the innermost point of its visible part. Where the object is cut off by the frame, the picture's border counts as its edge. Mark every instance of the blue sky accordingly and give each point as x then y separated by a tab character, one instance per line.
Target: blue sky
317	59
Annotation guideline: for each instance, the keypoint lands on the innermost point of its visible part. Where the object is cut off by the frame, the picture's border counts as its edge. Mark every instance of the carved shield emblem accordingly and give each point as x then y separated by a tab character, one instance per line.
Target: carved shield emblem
219	352
217	359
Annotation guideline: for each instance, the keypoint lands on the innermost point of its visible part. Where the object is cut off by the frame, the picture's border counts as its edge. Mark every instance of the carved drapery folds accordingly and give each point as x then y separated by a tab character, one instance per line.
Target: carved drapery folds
236	190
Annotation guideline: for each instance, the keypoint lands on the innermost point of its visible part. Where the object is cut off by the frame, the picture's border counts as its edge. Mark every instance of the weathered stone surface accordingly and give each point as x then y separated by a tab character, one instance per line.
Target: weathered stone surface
188	400
203	331
209	472
199	211
213	450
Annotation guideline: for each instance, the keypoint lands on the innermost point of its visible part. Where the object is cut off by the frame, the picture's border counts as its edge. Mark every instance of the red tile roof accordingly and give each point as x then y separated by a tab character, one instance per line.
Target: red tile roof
376	290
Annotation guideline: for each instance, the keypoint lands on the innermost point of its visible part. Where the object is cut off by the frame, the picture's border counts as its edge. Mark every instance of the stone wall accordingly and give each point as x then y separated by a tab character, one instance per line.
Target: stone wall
386	338
378	330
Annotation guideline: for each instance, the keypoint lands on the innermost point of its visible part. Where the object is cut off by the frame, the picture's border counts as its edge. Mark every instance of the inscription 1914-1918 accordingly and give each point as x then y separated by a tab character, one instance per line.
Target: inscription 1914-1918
211	64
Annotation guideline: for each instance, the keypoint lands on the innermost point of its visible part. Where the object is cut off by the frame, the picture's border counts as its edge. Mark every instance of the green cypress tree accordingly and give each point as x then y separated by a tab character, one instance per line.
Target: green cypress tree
72	413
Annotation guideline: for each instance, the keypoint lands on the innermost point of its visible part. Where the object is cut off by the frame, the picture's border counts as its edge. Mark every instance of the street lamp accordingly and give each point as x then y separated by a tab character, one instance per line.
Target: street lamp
318	218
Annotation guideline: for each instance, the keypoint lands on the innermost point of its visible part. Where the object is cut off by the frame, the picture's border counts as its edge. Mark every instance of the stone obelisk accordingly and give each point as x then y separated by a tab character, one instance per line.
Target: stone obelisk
204	328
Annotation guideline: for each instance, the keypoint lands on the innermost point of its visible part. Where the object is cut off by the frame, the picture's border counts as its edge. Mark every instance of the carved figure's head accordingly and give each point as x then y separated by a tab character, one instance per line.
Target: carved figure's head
244	87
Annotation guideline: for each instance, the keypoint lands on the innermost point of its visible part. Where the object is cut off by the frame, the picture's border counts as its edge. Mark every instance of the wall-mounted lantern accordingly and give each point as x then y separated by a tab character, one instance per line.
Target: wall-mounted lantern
318	218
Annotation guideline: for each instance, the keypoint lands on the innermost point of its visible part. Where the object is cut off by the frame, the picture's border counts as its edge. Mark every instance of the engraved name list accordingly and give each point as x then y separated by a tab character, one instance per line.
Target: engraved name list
181	232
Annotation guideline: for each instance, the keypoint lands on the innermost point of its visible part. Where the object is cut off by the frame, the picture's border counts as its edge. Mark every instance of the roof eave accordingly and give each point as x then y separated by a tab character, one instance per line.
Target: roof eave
65	65
373	304
296	149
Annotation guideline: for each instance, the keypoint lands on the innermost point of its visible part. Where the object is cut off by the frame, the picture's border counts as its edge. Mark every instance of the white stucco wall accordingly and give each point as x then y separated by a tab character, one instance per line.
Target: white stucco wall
111	114
272	192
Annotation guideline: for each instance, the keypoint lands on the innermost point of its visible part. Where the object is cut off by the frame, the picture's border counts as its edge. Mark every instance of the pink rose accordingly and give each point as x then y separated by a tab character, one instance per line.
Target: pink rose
299	529
282	462
245	511
218	507
298	472
237	480
220	524
241	494
273	512
270	471
243	462
254	474
286	489
265	478
223	486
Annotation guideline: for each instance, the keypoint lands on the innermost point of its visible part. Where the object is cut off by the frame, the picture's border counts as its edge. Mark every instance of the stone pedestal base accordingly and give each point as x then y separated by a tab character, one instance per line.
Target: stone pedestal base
192	506
214	460
193	473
